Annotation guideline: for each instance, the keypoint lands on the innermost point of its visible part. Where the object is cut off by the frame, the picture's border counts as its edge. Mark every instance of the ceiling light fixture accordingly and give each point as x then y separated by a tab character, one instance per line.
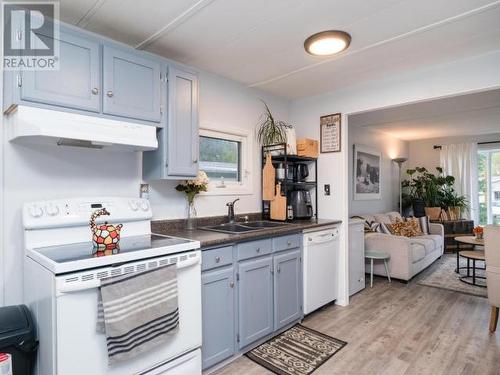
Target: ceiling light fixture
327	43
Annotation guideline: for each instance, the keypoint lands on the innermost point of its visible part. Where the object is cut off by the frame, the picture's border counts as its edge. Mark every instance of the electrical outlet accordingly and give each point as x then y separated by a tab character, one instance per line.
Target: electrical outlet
327	189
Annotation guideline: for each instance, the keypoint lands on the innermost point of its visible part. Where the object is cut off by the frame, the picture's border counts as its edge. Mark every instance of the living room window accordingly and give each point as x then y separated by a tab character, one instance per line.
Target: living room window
489	186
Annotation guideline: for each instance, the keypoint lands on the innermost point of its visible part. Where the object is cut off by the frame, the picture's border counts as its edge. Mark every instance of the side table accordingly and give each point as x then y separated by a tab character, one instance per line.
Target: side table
377	255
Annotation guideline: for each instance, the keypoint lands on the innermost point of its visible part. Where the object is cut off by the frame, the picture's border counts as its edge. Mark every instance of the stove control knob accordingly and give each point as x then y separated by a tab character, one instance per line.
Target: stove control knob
145	205
52	210
133	205
36	211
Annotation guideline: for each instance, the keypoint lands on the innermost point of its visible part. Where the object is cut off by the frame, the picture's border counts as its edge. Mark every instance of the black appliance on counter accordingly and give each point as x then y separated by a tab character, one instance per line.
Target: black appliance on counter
300	200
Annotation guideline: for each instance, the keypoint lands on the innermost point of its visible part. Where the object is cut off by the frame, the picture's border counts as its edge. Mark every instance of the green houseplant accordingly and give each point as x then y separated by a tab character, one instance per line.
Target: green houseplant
455	204
432	194
270	130
423	191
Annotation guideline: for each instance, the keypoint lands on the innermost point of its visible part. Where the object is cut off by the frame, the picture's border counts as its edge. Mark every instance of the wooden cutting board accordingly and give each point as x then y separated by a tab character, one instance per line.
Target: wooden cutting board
268	178
278	205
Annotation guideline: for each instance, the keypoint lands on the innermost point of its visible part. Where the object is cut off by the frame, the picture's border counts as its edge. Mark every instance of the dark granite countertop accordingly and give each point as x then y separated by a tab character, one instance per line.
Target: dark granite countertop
210	239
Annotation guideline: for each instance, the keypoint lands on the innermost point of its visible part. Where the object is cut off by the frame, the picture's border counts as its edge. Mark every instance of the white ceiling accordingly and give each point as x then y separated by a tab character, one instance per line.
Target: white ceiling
464	115
260	42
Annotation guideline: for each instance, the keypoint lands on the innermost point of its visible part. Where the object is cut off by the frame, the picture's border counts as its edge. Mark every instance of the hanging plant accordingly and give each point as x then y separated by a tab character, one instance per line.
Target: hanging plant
271	131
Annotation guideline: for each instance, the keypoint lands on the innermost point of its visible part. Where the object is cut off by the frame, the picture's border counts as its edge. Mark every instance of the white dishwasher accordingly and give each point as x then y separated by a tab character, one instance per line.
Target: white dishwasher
320	268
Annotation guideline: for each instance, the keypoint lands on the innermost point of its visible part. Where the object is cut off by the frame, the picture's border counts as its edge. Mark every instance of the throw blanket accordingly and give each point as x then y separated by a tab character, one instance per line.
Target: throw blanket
138	311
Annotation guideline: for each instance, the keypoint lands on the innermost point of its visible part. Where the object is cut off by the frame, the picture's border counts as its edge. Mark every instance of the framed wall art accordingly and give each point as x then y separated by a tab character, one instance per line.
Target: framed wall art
366	174
330	132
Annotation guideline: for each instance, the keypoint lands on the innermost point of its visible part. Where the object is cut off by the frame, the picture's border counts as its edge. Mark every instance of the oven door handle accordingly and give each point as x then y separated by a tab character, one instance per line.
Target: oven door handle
96	283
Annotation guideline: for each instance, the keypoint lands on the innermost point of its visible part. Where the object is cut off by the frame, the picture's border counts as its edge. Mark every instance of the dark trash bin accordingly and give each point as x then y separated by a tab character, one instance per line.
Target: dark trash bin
18	338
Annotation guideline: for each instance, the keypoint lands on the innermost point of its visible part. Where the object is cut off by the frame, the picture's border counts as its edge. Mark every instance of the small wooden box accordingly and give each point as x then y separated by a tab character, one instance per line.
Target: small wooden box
307	147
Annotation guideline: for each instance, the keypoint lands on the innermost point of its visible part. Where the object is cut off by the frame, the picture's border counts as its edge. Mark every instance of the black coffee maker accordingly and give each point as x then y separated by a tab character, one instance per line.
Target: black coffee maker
300	200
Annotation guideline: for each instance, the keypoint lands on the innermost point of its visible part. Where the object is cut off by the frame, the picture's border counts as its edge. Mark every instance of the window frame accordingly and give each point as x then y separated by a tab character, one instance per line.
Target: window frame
245	186
490	193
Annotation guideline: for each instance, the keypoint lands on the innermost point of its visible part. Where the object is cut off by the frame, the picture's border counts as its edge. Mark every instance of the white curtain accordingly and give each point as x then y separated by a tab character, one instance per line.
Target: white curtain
460	161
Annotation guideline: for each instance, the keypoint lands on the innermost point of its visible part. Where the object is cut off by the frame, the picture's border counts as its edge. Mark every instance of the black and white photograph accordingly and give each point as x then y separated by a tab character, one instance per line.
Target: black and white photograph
366	173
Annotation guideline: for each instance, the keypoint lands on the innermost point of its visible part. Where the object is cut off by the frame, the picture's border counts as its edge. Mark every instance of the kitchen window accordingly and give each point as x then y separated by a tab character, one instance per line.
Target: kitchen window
225	158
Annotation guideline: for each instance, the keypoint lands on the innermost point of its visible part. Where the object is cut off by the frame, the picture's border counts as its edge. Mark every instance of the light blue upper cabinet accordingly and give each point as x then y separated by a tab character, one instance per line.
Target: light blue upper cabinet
255	299
132	85
77	84
182	124
287	288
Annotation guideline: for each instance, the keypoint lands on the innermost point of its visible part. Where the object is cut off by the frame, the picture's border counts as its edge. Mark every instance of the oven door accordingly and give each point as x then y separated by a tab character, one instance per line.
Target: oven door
80	349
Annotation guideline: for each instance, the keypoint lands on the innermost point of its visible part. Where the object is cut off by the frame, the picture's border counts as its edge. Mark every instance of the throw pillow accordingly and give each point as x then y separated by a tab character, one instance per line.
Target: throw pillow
384	228
369	226
423	223
404	228
415	224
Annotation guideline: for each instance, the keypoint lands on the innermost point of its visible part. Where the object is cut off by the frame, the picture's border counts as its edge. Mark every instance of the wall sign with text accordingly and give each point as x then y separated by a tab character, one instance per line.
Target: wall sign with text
330	133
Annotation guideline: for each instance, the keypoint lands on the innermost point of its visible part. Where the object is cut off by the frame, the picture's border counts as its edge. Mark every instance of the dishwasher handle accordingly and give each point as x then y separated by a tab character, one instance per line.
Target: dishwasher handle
322	238
96	283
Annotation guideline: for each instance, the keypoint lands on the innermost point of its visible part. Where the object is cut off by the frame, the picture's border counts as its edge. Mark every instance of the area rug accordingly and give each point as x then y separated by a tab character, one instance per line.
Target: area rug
442	275
297	351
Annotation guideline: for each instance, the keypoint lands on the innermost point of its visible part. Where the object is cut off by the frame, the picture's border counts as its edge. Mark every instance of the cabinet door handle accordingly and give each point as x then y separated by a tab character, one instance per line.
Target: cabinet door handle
258	250
95	91
195	161
231	284
217	259
109	94
279	269
289	243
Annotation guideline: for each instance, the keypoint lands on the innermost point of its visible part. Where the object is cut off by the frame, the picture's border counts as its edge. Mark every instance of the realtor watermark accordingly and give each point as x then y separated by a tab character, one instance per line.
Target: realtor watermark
30	35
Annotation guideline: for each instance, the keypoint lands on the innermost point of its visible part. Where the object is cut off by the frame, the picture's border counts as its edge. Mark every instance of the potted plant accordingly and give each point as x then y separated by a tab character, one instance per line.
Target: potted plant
423	190
432	195
270	130
192	188
454	204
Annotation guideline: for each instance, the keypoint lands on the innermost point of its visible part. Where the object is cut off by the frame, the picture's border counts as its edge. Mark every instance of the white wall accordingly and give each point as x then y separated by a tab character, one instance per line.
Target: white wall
390	148
422	153
474	74
45	172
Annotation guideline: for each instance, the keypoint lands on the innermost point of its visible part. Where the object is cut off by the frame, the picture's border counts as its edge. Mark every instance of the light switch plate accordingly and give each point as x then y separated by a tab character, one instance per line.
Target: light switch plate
327	189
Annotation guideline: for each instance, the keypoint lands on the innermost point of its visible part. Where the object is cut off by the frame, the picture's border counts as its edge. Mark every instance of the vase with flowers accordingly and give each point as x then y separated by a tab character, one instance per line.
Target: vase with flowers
478	232
192	188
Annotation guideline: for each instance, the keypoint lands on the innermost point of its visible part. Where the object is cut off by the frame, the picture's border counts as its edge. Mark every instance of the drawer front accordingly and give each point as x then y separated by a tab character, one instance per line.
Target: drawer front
217	258
287	242
254	249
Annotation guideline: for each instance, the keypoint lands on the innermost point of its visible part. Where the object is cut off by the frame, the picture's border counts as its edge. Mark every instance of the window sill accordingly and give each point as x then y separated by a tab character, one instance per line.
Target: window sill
230	190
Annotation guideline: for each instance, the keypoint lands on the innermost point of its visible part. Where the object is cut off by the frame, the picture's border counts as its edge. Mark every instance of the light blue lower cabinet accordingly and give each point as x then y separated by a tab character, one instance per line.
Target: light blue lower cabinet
248	300
218	315
255	299
287	288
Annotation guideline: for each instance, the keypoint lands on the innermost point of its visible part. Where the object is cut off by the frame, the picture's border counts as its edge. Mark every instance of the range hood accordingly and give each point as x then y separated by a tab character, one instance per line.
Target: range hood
45	126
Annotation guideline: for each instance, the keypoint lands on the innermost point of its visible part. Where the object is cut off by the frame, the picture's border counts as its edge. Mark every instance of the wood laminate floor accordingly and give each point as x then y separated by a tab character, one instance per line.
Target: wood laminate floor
403	329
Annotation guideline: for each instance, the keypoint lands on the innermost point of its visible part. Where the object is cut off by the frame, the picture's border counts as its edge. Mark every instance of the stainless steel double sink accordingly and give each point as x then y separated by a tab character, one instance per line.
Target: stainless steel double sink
250	226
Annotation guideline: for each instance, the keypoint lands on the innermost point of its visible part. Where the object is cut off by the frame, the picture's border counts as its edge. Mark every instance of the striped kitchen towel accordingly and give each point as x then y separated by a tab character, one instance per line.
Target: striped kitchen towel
138	311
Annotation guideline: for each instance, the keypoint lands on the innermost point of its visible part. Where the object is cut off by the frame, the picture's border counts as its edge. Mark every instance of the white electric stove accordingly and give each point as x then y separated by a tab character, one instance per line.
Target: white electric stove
63	272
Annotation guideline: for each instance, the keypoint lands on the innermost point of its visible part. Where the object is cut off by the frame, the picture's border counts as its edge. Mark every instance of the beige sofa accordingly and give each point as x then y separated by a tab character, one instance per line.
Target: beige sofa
409	255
